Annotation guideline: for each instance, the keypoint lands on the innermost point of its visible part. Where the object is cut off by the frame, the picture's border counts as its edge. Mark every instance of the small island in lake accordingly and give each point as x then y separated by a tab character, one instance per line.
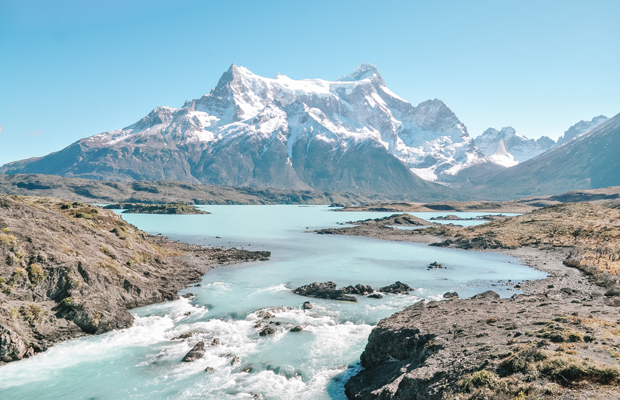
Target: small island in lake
140	208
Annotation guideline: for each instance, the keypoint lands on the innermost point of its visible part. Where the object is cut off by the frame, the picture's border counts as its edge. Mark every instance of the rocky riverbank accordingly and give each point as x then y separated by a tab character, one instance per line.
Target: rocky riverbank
71	269
559	339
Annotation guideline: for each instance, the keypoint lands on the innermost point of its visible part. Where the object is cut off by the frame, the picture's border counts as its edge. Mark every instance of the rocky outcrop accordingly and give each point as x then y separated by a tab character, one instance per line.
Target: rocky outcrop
12	347
71	269
482	347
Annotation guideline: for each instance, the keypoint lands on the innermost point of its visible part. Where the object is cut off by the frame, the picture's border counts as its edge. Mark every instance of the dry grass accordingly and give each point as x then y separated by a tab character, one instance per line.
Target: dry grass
592	231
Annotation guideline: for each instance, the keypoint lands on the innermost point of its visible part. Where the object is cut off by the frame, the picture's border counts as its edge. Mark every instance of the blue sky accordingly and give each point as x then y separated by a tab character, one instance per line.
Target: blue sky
71	69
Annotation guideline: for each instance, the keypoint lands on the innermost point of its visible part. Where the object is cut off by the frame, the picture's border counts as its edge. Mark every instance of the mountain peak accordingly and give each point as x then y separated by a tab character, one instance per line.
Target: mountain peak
581	127
363	71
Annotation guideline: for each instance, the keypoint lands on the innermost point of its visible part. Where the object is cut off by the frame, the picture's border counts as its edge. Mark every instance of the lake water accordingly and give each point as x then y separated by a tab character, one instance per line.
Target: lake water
143	362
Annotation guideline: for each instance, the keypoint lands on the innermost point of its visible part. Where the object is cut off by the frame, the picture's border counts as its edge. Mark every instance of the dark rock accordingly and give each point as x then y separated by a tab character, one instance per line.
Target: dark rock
451	295
235	360
209	369
267	331
375	296
357	289
247	368
435	265
296	328
215	342
195	353
184	335
489	294
188	296
307	305
397	288
323	290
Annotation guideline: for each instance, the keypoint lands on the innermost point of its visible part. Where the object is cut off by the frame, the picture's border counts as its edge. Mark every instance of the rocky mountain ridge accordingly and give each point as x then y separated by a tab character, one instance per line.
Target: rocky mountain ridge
588	161
352	134
508	148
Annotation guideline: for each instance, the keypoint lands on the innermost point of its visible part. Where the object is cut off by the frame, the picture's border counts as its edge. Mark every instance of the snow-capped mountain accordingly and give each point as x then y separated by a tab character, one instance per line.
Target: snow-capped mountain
508	148
349	134
581	127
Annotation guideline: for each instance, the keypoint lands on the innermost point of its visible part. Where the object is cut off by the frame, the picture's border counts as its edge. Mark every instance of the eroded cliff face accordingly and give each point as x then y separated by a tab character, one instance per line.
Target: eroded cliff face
71	269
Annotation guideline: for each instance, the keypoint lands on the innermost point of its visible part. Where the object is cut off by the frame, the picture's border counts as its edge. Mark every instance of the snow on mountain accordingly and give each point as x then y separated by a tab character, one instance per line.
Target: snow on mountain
508	148
581	127
248	124
502	156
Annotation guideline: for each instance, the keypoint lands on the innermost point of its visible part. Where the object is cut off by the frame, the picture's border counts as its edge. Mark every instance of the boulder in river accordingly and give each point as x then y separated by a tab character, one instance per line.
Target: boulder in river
397	288
267	331
297	328
307	305
323	290
435	265
196	353
451	295
375	296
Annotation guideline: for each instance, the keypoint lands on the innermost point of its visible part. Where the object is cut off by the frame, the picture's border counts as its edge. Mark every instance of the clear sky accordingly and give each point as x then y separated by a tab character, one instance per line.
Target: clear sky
71	69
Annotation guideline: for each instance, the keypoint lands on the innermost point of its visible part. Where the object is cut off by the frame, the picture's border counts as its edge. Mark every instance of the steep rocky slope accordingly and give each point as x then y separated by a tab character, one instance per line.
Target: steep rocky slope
71	269
581	127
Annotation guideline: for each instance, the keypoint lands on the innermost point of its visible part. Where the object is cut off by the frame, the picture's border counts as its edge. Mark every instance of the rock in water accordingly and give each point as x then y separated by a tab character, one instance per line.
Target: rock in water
397	288
267	331
375	296
307	305
357	289
323	290
196	353
451	295
435	265
297	329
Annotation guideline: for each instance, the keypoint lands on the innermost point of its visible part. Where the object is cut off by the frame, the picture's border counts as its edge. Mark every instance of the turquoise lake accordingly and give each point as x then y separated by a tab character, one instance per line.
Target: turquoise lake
143	362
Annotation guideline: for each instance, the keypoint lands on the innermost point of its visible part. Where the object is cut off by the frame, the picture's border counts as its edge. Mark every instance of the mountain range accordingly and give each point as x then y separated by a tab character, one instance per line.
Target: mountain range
508	148
587	161
352	134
